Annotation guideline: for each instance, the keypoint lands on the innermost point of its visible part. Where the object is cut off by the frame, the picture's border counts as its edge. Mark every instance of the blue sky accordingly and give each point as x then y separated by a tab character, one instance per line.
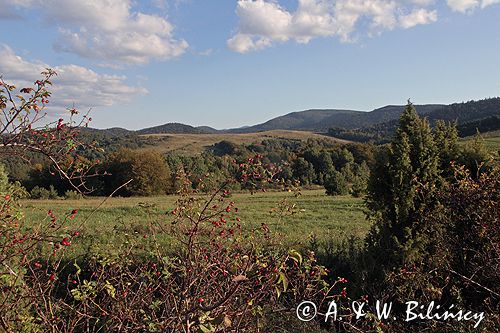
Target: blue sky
232	63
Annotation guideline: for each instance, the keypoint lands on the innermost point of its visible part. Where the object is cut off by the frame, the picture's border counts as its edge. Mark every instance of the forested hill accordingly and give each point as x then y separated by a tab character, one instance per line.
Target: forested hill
322	120
470	117
176	128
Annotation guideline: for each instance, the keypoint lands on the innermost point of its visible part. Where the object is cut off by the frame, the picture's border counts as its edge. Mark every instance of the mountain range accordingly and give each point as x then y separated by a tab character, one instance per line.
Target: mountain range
375	125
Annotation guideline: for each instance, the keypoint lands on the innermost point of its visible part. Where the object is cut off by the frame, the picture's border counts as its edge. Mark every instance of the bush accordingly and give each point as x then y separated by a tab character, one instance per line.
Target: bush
336	184
72	195
43	193
462	243
147	170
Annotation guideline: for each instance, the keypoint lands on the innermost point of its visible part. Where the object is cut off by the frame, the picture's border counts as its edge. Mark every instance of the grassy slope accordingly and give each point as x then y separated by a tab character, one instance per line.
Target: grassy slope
122	220
491	141
196	143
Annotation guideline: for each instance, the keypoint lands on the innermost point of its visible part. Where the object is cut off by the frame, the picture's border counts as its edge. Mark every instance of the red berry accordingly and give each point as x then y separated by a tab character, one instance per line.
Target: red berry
7	197
65	242
201	300
52	277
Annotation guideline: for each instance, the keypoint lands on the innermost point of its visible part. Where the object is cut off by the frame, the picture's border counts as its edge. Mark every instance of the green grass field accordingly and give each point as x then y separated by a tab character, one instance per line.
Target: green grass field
491	140
121	221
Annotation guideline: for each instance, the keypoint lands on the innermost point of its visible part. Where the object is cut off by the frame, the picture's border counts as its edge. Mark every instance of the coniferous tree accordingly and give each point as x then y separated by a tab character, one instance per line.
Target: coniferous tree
401	185
446	139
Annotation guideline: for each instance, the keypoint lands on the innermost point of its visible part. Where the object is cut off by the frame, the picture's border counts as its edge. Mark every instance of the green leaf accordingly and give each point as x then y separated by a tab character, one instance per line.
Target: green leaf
78	269
207	328
295	255
284	280
110	289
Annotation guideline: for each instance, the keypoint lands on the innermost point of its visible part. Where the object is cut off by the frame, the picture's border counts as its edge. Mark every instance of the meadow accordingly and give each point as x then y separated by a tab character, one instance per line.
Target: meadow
491	141
193	144
110	225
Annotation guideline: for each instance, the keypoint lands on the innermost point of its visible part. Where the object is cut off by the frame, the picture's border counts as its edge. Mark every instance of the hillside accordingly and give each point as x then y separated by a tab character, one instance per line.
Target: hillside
192	144
482	115
302	120
322	120
377	125
175	128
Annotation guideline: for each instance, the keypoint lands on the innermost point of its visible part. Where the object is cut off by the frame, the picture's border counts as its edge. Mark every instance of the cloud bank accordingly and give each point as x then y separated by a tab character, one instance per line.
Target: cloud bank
106	30
74	85
263	23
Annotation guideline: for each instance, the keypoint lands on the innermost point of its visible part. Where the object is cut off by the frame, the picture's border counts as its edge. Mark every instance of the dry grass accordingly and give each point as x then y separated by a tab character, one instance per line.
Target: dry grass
192	144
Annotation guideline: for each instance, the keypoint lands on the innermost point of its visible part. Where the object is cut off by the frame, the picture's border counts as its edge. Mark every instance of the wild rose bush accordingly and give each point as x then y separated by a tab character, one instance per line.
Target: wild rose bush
221	276
220	279
24	132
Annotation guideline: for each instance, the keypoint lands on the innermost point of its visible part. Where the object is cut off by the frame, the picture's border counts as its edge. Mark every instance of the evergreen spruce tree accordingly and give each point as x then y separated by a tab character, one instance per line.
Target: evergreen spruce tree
446	139
400	188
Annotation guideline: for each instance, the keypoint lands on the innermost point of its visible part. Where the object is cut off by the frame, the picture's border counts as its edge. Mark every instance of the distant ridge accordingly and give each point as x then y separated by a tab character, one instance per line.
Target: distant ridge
376	125
207	129
320	120
175	128
482	115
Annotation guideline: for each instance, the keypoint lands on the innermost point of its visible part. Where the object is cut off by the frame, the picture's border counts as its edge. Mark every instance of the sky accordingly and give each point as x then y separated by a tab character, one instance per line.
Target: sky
231	63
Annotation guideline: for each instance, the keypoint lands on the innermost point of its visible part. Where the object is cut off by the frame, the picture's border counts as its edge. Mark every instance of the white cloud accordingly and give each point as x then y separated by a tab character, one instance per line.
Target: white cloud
422	2
73	85
487	3
418	16
9	8
265	22
206	53
462	5
380	14
109	30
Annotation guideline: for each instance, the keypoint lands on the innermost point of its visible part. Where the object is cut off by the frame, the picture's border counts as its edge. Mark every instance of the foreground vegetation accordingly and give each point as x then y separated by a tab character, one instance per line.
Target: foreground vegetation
241	245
